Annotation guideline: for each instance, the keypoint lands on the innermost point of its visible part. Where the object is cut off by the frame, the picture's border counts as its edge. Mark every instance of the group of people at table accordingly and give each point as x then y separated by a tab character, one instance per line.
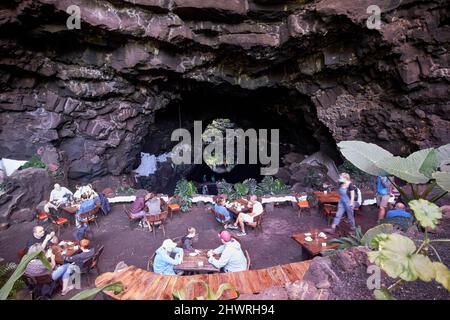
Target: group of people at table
84	199
232	257
63	264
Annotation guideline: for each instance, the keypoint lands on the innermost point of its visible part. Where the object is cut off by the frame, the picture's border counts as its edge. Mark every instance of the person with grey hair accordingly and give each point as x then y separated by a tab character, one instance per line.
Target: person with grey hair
59	195
39	237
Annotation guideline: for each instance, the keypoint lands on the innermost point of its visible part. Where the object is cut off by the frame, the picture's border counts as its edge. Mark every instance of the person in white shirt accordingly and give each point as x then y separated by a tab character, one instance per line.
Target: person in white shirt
248	218
59	194
85	192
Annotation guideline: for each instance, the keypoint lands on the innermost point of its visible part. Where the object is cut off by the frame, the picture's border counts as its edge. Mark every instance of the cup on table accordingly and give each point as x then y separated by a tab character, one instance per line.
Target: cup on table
325	192
324	244
200	263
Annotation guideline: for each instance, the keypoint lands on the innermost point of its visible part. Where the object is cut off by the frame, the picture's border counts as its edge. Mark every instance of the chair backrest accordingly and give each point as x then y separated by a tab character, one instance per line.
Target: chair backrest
258	219
89	213
40	279
93	262
157	217
217	214
151	259
247	256
329	208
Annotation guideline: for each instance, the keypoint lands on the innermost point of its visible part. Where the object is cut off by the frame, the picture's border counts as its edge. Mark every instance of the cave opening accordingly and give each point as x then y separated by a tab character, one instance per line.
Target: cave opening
268	108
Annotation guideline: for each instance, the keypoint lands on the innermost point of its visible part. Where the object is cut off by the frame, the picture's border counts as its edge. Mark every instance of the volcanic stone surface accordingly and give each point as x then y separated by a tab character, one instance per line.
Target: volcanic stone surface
92	93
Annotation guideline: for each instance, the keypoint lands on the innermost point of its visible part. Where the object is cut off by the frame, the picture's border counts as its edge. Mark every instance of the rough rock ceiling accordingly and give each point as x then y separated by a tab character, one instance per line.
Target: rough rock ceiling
93	92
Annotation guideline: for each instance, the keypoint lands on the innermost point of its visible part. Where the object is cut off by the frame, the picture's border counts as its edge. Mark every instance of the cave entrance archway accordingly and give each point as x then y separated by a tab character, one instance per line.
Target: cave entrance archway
269	108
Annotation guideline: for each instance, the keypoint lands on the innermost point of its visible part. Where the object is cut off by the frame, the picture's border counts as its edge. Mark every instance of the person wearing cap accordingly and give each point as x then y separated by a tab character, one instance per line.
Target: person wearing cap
163	263
232	258
343	205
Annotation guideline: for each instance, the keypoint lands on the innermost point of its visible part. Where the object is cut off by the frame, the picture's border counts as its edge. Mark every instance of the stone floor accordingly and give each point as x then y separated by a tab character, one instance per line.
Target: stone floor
134	246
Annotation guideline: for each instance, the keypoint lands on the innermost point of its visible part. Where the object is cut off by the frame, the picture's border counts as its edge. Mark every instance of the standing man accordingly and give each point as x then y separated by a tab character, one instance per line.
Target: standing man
383	186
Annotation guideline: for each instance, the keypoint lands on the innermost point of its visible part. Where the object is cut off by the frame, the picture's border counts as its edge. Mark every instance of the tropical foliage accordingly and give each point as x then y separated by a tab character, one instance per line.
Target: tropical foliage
399	257
359	239
428	166
9	285
184	191
6	271
127	191
267	186
116	287
34	162
210	294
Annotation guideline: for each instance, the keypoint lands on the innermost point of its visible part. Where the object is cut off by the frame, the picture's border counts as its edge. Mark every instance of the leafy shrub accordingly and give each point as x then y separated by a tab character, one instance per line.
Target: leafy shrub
34	162
398	256
184	190
271	186
125	191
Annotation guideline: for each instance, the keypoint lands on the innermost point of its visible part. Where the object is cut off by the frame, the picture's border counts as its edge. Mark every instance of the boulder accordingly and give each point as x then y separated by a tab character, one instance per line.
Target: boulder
345	260
320	273
22	215
293	157
321	159
302	290
311	176
25	189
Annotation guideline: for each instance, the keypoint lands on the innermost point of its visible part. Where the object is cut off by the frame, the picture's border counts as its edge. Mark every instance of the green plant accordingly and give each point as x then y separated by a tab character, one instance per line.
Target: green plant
269	185
34	162
251	184
210	295
224	187
19	271
240	190
359	239
184	190
128	191
117	287
398	256
6	271
421	167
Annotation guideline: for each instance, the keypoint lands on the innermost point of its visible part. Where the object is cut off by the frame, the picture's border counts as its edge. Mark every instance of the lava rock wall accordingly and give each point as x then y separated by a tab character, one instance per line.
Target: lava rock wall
92	93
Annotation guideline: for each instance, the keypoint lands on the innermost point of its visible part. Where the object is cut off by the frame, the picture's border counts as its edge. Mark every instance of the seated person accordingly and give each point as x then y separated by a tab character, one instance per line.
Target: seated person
153	204
39	237
189	239
85	206
163	263
36	268
84	192
399	211
244	218
80	258
232	258
219	207
60	195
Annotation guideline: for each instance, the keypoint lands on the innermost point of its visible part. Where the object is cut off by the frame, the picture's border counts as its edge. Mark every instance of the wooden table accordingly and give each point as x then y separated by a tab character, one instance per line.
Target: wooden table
242	202
314	247
330	197
70	251
190	263
70	209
